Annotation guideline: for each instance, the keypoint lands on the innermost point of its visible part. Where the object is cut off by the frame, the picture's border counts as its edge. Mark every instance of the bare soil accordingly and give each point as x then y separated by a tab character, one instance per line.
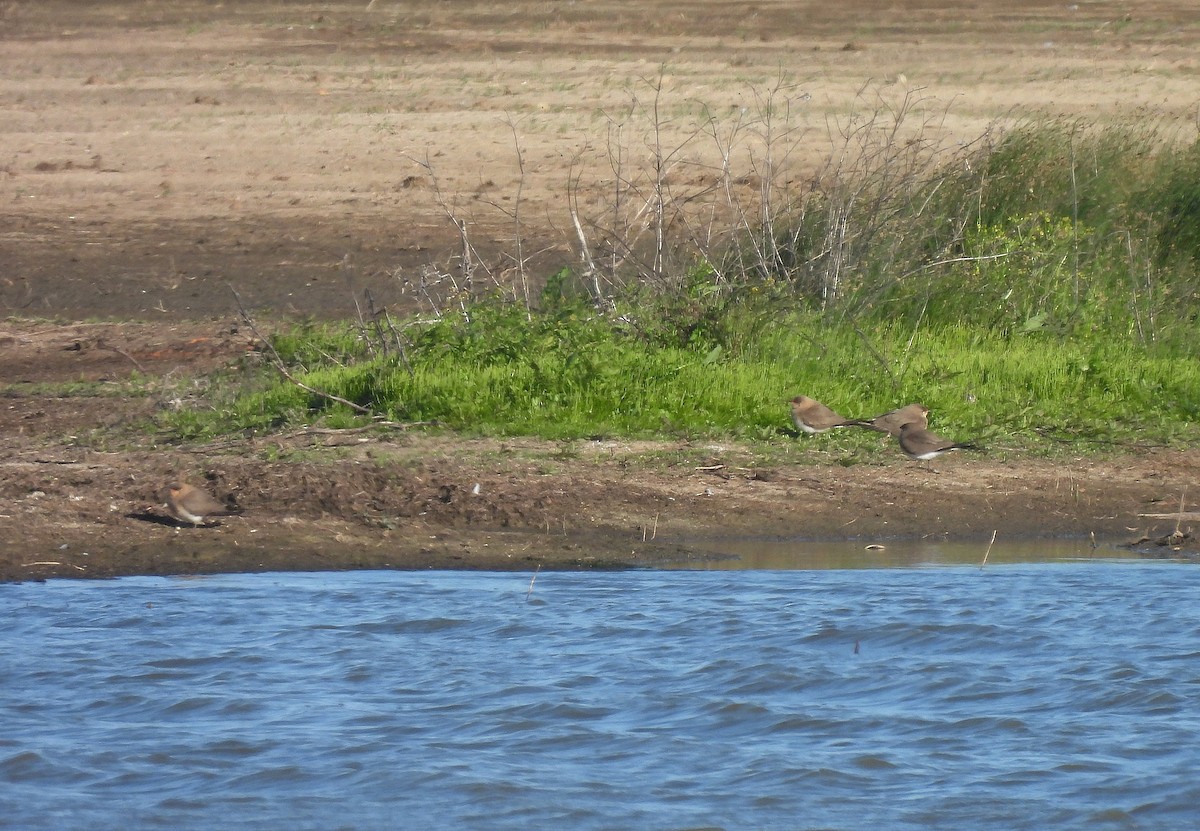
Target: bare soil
154	155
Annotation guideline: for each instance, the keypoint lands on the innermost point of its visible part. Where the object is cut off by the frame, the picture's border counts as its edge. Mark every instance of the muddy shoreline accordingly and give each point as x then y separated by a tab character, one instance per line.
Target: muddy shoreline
82	478
94	515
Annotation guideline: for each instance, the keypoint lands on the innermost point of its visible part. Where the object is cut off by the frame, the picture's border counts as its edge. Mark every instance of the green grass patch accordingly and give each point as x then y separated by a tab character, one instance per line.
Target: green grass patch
592	376
1045	284
137	385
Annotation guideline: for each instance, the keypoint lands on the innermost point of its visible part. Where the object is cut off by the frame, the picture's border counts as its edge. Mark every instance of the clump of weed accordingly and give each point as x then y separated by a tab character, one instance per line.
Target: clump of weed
1040	281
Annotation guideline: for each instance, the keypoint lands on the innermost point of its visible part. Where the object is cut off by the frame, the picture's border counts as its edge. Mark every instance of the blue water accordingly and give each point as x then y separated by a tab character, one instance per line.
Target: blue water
1037	696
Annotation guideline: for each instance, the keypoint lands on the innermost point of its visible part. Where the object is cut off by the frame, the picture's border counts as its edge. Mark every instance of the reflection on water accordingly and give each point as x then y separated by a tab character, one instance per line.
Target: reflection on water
1034	696
791	554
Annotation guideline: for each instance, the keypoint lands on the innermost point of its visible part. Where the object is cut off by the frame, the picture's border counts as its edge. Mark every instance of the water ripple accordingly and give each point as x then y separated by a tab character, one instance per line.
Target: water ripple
1033	696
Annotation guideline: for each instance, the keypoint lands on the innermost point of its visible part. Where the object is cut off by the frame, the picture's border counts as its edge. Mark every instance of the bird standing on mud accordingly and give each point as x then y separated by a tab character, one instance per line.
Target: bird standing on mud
918	443
192	505
811	416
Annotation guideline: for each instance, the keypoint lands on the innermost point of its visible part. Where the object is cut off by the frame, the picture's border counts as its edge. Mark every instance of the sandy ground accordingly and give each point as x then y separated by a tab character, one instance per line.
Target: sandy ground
153	155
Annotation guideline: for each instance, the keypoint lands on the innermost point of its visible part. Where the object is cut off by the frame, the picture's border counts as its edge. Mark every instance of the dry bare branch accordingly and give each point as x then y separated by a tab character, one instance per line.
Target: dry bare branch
281	367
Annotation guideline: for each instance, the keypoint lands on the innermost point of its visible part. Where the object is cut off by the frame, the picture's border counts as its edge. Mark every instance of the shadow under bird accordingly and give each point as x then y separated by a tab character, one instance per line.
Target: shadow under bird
891	421
811	416
918	443
193	505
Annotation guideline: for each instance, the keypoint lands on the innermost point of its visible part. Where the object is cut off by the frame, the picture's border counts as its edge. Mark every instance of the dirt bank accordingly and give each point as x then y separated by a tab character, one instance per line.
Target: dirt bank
82	482
159	153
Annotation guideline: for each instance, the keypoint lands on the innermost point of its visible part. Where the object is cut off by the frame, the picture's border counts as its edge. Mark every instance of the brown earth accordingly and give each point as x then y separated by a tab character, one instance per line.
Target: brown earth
154	154
82	491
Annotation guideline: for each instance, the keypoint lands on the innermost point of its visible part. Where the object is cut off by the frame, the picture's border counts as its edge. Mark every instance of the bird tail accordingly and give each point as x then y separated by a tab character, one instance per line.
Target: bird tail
858	422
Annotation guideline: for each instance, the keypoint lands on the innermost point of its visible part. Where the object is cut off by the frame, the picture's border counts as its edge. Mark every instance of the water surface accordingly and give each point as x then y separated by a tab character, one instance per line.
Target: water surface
1033	696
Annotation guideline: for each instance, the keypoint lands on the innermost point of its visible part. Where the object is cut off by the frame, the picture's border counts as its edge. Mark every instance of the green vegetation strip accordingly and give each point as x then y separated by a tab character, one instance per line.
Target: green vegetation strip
1041	288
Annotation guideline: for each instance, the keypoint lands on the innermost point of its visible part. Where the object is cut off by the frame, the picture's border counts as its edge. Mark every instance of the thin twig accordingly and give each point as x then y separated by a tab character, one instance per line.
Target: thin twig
282	368
989	550
399	344
345	431
310	431
102	345
532	580
348	271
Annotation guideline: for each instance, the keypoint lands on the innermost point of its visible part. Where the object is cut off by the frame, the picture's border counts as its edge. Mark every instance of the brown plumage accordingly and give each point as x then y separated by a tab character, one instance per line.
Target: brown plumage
192	505
891	421
811	416
919	443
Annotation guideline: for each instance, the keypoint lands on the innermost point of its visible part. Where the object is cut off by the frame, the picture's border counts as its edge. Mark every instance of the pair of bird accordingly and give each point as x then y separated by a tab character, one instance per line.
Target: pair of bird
909	424
189	504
